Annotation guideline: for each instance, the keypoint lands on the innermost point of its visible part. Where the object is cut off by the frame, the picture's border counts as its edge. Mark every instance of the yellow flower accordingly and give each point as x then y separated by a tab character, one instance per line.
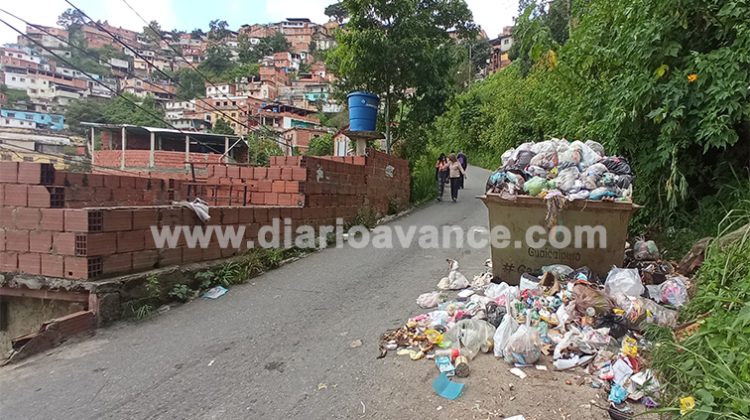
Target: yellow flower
692	77
687	404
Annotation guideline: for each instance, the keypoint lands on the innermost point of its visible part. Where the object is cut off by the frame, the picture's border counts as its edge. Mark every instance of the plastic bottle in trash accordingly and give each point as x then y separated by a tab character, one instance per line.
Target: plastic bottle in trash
452	353
590	311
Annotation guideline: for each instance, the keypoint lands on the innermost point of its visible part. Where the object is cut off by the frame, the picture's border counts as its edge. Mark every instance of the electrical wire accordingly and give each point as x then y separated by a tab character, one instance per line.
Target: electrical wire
149	112
140	56
84	51
179	53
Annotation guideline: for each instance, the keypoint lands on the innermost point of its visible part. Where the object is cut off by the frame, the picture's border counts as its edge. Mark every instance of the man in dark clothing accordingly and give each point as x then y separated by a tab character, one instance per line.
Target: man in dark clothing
464	163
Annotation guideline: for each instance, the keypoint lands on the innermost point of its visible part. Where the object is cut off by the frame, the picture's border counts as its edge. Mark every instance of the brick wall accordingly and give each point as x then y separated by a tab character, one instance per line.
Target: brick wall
84	226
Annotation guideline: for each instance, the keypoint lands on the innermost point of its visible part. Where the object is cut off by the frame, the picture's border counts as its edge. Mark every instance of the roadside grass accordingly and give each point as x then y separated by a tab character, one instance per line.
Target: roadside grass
251	264
713	364
423	182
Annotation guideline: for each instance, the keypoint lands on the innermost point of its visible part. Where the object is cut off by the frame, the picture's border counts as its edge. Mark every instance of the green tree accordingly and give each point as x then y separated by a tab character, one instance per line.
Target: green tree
222	127
197	33
260	150
274	43
218	30
85	110
240	71
190	84
218	60
14	95
321	146
336	11
121	110
152	33
391	48
70	17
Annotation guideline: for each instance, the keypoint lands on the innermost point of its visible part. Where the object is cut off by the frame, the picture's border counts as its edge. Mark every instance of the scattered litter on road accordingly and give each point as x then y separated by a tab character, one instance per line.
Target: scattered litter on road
322	386
518	372
572	316
215	292
356	343
447	388
211	363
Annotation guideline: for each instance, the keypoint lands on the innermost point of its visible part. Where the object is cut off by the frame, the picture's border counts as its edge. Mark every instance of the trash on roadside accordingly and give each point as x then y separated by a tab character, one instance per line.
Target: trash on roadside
454	280
447	388
215	292
562	312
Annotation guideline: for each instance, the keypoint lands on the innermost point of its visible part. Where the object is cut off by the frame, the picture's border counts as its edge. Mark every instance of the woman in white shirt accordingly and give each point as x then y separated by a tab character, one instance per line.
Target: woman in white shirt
456	173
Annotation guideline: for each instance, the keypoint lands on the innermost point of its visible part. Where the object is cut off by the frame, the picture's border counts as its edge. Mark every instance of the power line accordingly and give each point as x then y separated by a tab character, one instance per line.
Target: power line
149	112
179	53
137	54
84	51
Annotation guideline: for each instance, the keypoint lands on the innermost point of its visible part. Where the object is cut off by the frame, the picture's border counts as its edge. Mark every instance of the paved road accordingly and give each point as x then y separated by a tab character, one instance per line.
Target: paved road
264	349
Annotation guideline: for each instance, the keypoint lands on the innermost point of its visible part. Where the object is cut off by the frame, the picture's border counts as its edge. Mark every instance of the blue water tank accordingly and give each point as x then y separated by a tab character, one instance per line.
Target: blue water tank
363	111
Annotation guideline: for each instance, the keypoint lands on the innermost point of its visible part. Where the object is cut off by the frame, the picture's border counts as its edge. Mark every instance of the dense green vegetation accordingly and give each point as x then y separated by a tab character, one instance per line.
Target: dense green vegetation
662	83
713	365
119	110
321	146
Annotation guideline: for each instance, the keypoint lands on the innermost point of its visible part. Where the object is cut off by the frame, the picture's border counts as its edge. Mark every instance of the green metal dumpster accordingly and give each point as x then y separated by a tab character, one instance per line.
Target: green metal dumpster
596	235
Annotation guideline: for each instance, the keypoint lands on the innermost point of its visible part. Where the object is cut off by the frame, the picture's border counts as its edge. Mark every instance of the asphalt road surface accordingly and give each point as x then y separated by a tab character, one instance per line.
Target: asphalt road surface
279	347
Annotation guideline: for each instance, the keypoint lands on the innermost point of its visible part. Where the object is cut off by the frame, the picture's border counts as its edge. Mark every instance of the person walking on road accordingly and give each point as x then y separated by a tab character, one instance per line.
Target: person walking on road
464	163
456	173
441	174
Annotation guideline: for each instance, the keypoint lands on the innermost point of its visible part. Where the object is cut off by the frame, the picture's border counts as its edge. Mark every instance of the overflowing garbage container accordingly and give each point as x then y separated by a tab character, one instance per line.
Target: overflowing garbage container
558	202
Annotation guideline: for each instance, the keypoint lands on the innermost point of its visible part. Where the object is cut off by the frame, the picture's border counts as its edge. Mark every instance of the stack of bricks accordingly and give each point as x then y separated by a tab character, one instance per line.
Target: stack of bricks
86	226
138	159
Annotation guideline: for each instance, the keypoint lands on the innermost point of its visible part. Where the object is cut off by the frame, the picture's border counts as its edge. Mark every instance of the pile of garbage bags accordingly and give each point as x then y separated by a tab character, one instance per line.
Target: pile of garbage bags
558	168
569	316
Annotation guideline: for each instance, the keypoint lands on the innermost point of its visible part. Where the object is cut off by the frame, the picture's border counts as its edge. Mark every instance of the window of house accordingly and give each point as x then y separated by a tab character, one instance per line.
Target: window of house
28	158
234	103
22	79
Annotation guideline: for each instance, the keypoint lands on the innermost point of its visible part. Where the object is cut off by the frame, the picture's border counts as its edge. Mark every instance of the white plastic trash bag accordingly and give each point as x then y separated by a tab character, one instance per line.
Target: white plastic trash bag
623	280
524	346
429	300
503	333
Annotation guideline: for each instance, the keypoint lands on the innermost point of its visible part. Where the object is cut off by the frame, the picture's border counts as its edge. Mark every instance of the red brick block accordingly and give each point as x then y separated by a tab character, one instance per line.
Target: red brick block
40	241
6	218
16	195
244	215
359	160
299	174
169	256
94	180
27	218
257	198
233	171
220	171
76	268
287	173
145	260
130	241
127	182
30	263
103	195
142	183
111	181
8	262
212	252
76	220
271	199
73	179
39	196
52	220
230	216
265	186
274	173
247	172
145	218
285	199
278	186
29	173
2	240
117	220
64	243
53	265
192	255
96	244
292	187
260	173
117	263
8	172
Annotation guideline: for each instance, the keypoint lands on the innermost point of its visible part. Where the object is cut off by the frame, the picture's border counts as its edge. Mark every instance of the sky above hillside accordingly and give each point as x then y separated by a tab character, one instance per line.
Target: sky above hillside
492	15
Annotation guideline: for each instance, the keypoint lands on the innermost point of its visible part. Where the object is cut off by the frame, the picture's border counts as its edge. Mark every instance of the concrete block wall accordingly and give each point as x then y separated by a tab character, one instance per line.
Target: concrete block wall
86	226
